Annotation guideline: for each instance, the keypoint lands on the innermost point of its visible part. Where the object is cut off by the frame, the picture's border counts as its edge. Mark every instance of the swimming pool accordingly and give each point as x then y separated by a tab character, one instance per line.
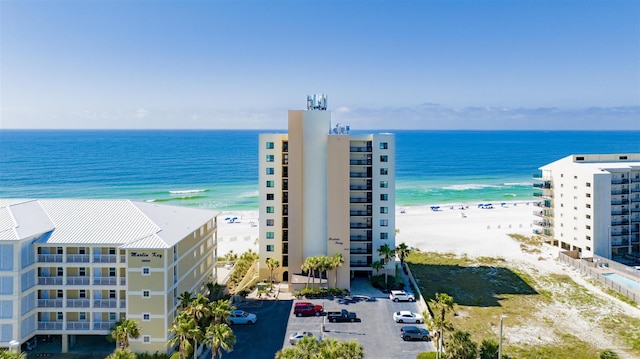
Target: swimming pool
629	283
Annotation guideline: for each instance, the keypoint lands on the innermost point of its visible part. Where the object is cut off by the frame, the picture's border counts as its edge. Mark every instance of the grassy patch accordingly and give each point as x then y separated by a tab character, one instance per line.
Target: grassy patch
571	347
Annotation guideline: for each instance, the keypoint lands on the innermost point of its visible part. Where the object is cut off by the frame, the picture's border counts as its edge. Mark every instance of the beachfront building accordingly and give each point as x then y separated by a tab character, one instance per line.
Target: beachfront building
73	267
591	204
324	191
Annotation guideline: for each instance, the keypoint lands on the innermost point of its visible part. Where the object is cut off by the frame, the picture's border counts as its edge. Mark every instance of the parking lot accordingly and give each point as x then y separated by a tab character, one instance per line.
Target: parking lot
376	330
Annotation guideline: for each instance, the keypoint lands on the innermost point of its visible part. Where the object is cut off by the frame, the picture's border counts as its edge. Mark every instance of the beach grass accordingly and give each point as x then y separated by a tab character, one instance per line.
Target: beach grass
485	288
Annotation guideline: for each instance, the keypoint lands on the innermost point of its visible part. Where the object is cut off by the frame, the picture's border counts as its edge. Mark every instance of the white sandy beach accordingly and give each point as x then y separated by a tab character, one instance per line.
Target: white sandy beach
472	231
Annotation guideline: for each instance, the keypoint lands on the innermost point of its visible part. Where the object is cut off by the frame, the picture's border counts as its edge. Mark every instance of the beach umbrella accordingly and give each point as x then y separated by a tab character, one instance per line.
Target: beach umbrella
228	218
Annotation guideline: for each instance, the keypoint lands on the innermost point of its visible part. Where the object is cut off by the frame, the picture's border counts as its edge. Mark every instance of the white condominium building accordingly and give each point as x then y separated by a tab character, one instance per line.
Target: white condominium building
324	191
73	267
591	204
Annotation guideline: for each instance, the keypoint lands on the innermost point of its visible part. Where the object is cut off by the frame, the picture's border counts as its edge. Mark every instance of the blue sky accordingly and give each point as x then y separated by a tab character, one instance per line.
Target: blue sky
384	64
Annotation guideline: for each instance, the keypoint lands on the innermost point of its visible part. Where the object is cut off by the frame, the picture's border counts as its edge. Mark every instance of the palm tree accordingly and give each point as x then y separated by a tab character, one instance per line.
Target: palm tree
377	265
460	346
183	329
310	347
118	354
310	265
200	310
337	261
219	336
220	311
324	265
272	264
403	251
351	349
441	304
387	253
125	329
489	349
185	298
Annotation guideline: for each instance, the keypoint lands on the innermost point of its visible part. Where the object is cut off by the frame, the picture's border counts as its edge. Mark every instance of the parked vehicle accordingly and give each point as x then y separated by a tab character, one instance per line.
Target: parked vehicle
414	333
401	295
293	338
242	317
342	316
405	316
304	309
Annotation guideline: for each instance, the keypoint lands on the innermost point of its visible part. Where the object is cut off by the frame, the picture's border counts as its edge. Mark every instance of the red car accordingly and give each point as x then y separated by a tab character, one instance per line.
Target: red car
305	309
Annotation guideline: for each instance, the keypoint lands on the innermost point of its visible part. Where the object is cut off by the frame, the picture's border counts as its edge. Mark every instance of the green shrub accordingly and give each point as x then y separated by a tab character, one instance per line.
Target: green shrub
609	354
426	355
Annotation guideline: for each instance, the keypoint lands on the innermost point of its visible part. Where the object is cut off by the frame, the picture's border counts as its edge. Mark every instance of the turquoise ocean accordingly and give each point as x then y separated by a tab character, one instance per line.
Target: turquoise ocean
218	169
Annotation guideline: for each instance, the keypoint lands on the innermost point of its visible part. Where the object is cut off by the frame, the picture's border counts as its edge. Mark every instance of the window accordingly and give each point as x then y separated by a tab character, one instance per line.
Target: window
588	216
384	235
384	223
384	210
588	238
146	294
384	197
588	248
112	316
270	247
270	158
146	339
112	251
60	272
384	184
270	145
82	271
270	235
270	196
270	170
384	145
270	184
146	271
270	209
112	272
588	195
82	316
112	294
60	316
82	293
588	205
146	317
384	158
81	250
384	171
269	222
588	184
588	226
60	293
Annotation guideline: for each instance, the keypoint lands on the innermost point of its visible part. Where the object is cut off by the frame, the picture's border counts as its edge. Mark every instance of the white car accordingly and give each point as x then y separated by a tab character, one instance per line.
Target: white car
405	316
401	295
242	317
293	338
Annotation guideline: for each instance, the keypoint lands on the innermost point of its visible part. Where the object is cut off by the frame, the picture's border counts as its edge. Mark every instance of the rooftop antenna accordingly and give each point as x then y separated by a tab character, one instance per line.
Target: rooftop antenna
317	102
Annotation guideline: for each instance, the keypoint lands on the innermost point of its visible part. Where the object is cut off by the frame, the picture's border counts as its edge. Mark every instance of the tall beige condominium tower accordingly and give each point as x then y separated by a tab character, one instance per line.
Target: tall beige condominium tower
324	191
591	204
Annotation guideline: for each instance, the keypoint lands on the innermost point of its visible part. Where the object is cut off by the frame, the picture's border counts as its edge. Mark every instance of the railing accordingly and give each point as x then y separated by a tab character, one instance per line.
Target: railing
105	303
359	149
50	258
542	223
619	181
359	264
49	280
538	213
103	325
360	225
360	238
78	303
360	251
360	188
105	281
49	303
78	258
123	258
620	223
123	303
360	162
105	258
360	213
78	325
123	281
49	325
78	280
358	175
360	200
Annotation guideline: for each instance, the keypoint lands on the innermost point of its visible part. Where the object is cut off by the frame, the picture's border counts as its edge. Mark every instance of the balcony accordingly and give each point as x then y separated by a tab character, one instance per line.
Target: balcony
365	264
360	225
105	258
359	174
620	223
78	325
103	325
620	201
360	149
619	181
78	303
78	281
123	303
360	187
49	325
50	258
360	213
49	303
359	200
105	281
49	280
538	213
77	258
360	238
105	303
542	224
360	251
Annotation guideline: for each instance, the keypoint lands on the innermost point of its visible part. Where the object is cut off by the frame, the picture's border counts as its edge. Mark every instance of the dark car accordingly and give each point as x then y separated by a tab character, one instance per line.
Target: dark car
414	333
